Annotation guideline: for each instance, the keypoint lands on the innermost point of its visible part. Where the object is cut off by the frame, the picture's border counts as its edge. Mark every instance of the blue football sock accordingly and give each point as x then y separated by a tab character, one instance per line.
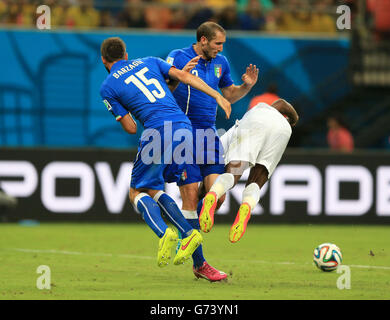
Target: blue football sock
199	208
173	213
197	256
151	213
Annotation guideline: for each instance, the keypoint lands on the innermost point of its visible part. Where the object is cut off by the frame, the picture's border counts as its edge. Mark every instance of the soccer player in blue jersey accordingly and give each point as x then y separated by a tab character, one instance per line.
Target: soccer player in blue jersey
214	69
139	88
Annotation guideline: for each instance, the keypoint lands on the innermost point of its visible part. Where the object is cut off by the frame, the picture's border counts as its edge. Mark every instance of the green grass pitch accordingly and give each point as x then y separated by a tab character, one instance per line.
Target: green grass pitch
118	261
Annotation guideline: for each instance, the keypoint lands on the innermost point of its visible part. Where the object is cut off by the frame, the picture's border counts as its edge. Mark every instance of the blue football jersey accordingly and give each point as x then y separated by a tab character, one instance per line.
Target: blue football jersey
139	87
200	108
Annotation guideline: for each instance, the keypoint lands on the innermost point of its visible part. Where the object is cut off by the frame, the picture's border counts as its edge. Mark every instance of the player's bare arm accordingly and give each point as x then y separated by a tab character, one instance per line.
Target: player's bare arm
128	124
234	93
172	84
199	84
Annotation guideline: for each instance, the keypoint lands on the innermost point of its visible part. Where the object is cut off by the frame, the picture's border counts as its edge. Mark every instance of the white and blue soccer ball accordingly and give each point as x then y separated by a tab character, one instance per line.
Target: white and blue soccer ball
327	257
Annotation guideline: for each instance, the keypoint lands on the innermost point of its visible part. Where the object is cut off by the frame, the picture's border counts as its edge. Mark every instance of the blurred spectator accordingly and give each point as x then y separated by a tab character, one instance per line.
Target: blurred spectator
115	7
58	13
179	18
274	20
268	97
266	5
157	17
133	15
296	18
270	15
85	15
321	20
106	19
228	18
380	10
14	14
220	4
3	11
252	18
200	14
339	137
170	2
26	13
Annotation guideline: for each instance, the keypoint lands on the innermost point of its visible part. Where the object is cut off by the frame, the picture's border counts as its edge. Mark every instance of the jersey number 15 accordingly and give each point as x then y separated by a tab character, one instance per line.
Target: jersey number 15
141	82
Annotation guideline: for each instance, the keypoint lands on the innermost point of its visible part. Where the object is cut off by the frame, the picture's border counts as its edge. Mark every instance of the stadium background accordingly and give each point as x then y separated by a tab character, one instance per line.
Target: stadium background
65	158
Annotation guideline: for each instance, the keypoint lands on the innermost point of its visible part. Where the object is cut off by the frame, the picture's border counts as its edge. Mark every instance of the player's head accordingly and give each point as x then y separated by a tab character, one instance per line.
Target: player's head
287	110
210	36
112	50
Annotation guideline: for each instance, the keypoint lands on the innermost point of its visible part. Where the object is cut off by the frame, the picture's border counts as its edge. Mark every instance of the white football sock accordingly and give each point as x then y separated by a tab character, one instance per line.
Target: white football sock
251	195
222	184
189	214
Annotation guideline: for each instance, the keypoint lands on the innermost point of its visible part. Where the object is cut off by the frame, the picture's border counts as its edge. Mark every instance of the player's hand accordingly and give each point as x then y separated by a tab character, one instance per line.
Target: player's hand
225	105
250	76
191	64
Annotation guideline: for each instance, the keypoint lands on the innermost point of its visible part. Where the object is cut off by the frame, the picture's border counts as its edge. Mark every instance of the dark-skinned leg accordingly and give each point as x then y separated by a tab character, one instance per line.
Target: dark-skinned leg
258	176
221	185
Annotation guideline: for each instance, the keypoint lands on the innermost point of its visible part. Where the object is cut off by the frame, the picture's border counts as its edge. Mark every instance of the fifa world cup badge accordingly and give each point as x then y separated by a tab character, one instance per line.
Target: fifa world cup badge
170	60
218	70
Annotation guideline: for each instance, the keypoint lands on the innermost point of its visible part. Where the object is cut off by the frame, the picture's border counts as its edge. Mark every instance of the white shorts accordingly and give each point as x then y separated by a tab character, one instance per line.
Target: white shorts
261	136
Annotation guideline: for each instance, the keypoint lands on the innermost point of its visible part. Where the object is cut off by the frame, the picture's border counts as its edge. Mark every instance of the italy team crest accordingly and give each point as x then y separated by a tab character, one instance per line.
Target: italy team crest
218	70
184	175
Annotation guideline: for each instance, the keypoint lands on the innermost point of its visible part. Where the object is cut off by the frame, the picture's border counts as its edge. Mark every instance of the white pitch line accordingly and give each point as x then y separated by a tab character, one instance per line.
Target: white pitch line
365	267
307	263
151	258
84	253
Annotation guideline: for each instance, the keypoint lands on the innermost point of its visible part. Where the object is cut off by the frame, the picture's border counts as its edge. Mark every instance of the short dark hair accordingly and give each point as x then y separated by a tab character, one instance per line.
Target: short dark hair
287	110
208	29
113	49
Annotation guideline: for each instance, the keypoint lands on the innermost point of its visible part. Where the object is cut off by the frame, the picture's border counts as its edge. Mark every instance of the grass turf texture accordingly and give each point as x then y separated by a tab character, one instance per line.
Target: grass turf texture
118	261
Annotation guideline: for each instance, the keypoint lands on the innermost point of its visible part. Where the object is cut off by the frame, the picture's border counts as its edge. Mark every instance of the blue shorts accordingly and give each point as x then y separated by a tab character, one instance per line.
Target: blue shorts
162	156
208	152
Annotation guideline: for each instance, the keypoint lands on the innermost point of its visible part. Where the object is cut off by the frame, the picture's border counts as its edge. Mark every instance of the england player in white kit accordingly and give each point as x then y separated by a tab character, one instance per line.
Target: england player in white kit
258	142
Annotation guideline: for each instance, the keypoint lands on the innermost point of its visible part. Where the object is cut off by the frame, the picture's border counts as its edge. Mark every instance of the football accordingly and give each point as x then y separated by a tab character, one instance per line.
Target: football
327	257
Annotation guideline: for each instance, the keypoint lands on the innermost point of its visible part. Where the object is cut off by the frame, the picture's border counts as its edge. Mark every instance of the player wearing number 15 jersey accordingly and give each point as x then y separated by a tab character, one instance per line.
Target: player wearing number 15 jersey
138	87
